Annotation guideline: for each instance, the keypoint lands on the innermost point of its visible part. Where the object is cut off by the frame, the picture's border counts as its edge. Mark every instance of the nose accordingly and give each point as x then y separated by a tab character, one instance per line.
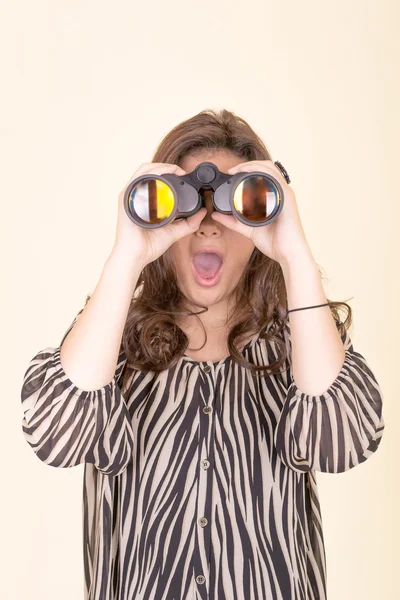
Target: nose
208	226
206	195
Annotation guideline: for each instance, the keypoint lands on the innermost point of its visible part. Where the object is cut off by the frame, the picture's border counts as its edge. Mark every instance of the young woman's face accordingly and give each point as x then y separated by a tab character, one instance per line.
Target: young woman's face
235	248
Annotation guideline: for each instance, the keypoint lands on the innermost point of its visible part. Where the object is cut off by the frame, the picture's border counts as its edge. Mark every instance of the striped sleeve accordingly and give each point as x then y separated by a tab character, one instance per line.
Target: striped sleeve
337	430
65	425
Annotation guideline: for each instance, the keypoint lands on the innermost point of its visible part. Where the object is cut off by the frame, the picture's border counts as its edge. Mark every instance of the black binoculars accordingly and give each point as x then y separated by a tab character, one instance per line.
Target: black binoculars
254	198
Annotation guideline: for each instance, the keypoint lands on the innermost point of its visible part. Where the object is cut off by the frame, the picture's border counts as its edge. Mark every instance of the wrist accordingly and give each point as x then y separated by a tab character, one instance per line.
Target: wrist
121	262
301	256
302	281
120	256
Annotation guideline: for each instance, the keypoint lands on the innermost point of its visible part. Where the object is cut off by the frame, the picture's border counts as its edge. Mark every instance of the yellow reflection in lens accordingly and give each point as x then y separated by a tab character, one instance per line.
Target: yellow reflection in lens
165	200
152	201
256	198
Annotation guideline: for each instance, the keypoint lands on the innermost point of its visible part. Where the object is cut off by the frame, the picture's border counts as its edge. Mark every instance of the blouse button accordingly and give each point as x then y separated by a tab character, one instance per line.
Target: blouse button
203	521
207	409
205	463
206	368
200	579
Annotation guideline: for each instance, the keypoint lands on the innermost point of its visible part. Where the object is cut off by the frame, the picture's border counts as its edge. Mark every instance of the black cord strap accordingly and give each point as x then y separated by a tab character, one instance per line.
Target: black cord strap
305	307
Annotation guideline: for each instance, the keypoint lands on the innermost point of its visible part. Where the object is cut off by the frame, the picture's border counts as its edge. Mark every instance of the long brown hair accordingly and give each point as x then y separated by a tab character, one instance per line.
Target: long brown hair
152	339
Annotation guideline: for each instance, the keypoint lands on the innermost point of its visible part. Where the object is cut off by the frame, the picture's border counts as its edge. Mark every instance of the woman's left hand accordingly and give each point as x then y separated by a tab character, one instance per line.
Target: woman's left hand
285	235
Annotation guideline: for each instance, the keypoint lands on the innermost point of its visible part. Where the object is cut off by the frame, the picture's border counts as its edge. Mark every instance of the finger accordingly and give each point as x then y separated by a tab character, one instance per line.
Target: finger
239	167
157	169
181	227
233	223
251	165
266	165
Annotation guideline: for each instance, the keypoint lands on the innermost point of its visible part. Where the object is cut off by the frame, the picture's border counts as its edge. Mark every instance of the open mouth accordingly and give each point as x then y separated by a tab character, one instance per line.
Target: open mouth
207	267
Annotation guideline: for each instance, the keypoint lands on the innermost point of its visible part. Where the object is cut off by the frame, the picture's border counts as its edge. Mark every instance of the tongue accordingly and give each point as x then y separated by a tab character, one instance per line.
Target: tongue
207	264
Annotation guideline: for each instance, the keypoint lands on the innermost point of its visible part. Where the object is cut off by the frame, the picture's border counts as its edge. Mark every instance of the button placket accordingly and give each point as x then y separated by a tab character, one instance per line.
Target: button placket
202	556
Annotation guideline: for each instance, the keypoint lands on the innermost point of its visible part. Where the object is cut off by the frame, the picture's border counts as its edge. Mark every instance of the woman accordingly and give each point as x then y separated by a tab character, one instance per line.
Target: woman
199	467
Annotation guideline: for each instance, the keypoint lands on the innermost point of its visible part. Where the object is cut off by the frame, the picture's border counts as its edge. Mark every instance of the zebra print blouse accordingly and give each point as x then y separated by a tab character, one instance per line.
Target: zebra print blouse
199	481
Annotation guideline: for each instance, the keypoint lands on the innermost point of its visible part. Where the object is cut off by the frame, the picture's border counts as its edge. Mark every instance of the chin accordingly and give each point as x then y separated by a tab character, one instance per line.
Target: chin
203	296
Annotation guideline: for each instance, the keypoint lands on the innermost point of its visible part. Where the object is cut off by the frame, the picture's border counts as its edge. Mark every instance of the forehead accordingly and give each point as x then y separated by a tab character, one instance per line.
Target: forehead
223	160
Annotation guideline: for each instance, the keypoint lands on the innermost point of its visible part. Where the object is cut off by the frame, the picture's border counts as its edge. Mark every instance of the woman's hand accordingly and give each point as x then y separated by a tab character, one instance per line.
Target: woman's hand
283	237
141	245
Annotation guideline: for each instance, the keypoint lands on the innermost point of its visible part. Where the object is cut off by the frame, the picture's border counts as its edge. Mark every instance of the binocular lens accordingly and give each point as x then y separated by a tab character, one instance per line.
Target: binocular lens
256	198
151	201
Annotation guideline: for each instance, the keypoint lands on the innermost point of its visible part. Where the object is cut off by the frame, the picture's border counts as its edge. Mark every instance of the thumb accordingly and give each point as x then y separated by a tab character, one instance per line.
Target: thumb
184	226
227	220
233	223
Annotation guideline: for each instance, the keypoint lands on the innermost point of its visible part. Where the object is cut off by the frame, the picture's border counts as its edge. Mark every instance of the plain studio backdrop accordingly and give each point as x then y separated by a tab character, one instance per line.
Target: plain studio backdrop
88	89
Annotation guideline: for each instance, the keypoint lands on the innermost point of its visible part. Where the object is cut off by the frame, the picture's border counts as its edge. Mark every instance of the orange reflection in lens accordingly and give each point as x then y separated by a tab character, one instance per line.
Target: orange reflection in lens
152	201
256	198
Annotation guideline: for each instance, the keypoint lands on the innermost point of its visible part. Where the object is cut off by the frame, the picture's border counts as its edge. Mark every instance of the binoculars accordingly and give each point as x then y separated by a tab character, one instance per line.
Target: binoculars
254	198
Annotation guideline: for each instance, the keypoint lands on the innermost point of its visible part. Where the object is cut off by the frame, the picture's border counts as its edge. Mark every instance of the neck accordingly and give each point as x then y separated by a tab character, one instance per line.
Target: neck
214	320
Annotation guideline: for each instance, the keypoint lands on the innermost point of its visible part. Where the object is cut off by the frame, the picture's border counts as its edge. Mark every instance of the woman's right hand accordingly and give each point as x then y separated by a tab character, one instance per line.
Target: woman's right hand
141	245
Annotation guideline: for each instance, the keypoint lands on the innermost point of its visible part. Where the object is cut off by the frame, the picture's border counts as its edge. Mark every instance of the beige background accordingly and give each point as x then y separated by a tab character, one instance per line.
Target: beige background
88	89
